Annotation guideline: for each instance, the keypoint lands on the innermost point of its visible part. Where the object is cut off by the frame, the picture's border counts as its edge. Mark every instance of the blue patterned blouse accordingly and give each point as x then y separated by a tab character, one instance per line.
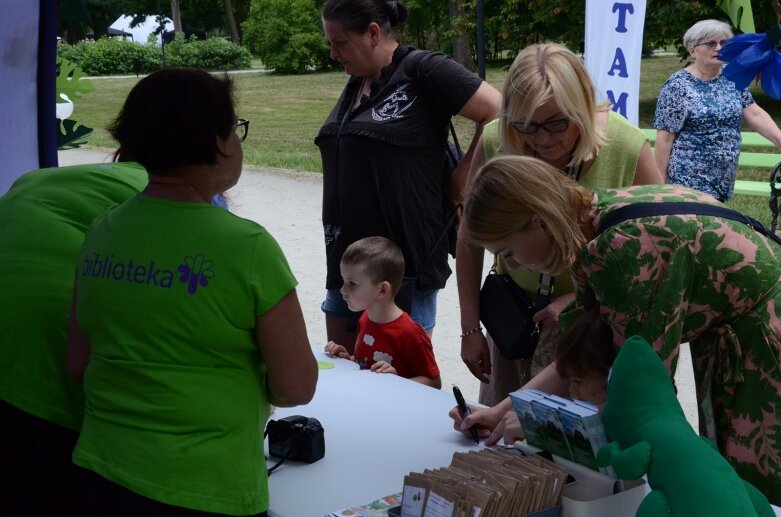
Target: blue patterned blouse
705	116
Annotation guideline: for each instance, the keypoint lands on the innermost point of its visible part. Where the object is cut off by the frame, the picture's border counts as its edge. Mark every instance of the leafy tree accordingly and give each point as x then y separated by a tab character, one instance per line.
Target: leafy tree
426	26
286	35
78	15
667	20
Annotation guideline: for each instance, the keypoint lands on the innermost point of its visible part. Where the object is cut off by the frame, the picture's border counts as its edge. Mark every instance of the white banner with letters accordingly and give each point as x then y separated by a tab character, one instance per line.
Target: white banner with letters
613	47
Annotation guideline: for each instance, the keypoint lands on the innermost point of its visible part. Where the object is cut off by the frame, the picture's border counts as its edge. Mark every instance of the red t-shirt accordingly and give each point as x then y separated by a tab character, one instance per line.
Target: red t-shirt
402	343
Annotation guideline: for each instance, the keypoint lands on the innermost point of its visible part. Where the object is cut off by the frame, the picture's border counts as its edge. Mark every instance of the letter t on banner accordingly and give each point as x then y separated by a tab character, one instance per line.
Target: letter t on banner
613	47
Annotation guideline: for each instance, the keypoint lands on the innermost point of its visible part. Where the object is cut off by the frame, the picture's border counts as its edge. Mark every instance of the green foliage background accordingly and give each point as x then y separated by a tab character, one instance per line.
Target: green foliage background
111	56
210	54
286	35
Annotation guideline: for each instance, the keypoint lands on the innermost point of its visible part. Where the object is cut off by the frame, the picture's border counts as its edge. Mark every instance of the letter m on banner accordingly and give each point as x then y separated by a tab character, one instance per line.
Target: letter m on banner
614	44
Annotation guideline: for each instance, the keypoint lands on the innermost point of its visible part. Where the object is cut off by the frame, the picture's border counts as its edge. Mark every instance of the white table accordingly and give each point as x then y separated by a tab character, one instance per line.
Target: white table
339	365
378	428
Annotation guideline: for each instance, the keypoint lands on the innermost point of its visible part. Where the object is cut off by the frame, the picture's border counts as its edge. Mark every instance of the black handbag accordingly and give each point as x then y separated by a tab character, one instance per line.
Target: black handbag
506	311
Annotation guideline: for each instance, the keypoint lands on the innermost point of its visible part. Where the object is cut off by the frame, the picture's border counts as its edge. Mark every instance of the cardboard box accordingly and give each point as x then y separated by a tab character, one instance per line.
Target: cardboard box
592	494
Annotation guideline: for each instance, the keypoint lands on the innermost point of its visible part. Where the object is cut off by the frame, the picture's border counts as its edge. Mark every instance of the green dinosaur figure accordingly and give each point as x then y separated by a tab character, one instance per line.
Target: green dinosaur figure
650	436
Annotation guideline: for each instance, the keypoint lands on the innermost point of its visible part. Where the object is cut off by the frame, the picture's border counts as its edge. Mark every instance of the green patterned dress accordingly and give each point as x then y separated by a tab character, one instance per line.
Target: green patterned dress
714	283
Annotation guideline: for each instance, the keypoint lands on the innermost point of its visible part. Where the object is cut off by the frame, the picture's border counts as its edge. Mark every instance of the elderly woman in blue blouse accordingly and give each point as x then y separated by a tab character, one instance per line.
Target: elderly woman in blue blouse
699	114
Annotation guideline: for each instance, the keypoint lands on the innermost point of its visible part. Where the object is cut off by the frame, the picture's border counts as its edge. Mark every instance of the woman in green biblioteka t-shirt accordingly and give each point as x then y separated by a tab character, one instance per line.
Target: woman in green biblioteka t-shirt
189	326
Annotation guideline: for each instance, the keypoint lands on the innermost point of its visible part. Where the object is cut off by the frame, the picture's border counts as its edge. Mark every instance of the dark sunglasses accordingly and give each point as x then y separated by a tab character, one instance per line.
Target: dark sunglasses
558	125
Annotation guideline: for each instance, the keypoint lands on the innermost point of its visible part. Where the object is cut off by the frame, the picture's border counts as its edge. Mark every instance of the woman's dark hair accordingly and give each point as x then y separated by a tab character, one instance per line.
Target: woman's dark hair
356	15
586	348
172	118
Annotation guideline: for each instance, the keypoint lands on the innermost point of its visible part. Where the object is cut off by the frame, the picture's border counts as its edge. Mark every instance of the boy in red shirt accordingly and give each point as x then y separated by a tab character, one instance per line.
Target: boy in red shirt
388	340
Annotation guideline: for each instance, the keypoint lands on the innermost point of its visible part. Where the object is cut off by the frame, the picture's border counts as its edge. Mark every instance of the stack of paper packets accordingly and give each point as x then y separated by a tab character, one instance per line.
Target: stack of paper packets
489	483
570	429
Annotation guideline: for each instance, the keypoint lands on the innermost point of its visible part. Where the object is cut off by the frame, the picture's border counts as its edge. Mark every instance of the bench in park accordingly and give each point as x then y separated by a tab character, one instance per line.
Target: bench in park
746	159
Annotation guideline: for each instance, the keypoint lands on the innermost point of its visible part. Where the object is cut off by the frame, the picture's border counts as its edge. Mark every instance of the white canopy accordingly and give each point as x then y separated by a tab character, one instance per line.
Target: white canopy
141	31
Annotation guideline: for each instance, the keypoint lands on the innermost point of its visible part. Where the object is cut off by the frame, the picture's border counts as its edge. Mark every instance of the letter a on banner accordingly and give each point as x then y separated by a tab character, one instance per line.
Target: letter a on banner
614	45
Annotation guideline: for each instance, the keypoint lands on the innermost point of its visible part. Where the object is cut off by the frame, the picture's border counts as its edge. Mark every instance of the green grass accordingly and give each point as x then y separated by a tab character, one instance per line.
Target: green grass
286	113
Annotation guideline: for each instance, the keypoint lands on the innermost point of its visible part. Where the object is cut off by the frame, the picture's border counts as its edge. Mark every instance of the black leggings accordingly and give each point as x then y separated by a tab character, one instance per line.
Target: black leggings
105	497
40	478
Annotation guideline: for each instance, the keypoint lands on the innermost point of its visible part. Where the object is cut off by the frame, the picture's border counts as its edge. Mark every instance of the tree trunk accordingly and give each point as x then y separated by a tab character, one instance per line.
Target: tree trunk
100	25
75	31
241	16
231	22
461	49
176	16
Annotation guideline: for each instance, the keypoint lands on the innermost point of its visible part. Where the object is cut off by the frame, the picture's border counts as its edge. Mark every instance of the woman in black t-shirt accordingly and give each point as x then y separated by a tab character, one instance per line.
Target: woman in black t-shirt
383	148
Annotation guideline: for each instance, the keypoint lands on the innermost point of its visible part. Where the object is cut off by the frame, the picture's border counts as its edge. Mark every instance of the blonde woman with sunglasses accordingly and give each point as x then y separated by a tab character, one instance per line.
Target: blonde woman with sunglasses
549	111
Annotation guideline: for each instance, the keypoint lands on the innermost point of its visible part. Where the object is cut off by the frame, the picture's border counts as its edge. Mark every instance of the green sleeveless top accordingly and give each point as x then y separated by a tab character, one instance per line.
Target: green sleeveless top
614	167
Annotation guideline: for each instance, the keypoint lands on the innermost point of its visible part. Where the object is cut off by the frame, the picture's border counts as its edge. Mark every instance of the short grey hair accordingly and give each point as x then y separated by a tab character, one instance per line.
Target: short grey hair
703	30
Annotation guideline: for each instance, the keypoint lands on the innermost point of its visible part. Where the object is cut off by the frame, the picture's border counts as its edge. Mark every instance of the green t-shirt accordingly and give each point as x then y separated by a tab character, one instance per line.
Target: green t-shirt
43	218
614	166
176	400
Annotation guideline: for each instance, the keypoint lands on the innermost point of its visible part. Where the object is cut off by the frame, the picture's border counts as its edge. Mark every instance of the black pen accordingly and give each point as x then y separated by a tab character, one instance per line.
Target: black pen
464	411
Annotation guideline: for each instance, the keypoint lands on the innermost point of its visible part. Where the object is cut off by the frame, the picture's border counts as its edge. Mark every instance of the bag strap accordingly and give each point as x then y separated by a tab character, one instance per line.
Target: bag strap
638	210
459	153
544	291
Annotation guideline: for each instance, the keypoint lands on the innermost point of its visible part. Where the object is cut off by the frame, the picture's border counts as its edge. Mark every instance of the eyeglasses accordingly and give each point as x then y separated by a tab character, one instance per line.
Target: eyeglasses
712	44
558	125
242	128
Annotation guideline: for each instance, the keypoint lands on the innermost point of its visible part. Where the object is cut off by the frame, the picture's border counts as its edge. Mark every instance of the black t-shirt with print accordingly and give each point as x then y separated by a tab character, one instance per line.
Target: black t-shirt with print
386	177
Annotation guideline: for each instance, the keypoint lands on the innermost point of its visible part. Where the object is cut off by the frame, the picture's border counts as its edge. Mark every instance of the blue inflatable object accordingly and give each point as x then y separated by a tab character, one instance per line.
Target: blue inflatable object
754	55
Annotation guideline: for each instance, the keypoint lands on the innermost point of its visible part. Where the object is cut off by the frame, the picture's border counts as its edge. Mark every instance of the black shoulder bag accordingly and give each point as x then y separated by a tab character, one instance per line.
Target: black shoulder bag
507	311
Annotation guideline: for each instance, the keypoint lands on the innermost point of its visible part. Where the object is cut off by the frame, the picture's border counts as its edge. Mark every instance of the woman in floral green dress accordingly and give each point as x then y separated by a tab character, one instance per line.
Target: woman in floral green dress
711	281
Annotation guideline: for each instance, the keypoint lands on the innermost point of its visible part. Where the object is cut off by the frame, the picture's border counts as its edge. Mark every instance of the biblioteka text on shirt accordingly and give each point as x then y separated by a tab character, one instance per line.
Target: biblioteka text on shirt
98	266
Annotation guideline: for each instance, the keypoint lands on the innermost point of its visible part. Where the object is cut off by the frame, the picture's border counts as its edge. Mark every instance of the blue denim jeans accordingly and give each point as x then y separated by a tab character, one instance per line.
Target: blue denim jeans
424	307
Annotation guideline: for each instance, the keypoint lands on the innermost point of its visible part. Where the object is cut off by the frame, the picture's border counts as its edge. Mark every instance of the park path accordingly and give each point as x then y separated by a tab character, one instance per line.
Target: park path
288	204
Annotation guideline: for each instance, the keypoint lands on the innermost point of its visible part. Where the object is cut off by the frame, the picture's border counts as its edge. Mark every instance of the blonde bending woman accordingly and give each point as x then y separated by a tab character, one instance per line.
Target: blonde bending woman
706	280
549	111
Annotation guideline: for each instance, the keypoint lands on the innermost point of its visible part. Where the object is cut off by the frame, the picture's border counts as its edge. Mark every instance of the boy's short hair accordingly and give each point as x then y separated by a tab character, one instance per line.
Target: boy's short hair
586	348
381	258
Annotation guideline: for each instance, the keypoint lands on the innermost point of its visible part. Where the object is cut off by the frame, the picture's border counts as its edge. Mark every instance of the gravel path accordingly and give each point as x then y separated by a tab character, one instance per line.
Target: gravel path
288	203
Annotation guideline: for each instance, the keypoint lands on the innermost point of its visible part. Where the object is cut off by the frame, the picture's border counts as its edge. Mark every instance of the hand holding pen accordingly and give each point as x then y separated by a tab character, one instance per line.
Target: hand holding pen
464	411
